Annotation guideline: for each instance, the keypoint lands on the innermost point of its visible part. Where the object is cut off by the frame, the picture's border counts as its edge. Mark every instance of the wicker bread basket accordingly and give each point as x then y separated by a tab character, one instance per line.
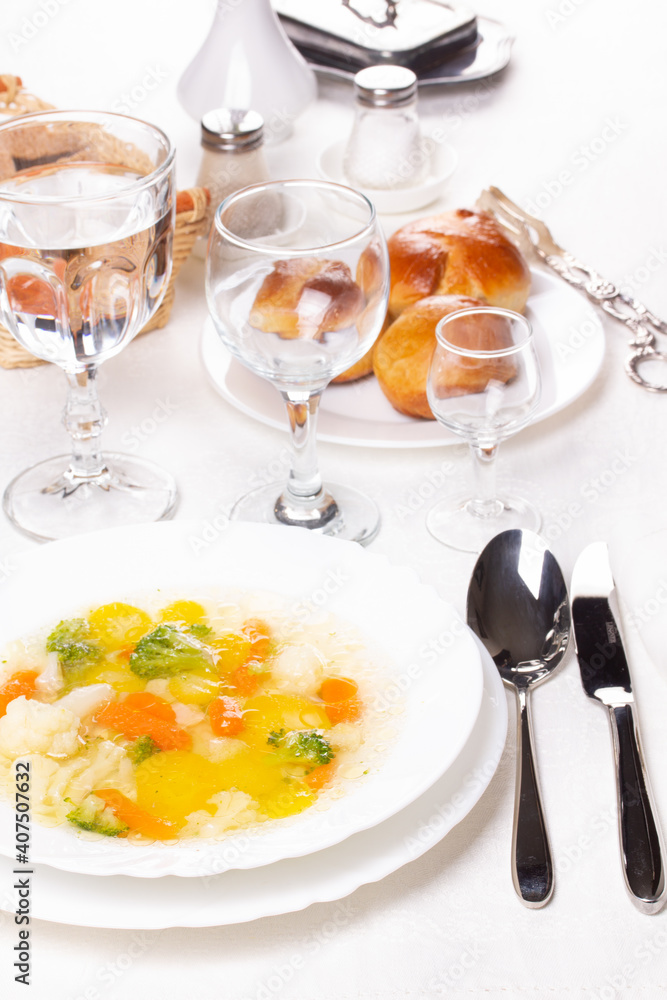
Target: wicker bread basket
191	206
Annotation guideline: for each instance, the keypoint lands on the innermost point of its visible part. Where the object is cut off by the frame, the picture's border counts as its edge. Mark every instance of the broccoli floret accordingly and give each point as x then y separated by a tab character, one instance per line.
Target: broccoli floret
142	748
69	639
95	815
302	746
199	630
167	651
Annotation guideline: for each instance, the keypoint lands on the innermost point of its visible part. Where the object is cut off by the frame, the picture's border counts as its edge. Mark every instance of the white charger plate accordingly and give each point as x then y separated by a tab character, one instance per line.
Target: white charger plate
236	897
439	690
570	344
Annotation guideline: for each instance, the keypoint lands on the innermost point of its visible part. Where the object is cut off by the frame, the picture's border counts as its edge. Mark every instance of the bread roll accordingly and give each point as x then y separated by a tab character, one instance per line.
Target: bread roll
457	375
456	253
306	297
403	355
363	367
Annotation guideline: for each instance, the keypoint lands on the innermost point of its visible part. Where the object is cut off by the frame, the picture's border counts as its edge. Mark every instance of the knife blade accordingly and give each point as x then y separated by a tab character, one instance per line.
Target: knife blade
605	676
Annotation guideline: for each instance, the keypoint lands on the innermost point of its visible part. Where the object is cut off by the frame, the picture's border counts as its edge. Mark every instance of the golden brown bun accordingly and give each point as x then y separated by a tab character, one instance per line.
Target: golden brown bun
403	356
364	366
456	253
458	375
306	297
361	369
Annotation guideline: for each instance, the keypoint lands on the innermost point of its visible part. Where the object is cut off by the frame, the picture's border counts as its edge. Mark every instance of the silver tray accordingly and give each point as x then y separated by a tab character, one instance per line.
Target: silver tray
489	54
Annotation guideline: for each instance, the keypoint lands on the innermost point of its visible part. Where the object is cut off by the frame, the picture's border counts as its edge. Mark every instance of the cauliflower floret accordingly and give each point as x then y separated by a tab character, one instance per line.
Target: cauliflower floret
345	736
32	727
300	667
50	681
232	809
85	700
187	715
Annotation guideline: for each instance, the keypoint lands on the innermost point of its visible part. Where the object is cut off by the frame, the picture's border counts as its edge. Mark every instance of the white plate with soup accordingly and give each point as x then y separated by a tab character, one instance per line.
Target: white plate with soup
252	757
570	344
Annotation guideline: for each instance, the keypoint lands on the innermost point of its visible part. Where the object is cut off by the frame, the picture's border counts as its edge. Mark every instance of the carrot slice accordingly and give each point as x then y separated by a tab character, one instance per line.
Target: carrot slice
342	705
21	683
133	723
245	681
343	711
321	776
259	634
225	716
136	818
144	701
338	689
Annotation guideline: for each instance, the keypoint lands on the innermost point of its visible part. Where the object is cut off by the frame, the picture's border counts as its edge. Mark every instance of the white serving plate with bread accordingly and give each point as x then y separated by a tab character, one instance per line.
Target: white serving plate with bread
570	345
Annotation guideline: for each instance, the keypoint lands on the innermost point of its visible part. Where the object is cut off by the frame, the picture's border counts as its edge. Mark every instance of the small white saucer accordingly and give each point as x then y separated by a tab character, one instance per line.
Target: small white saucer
444	160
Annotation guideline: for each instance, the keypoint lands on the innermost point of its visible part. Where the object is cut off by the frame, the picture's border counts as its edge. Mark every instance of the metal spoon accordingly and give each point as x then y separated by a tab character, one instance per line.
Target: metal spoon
519	608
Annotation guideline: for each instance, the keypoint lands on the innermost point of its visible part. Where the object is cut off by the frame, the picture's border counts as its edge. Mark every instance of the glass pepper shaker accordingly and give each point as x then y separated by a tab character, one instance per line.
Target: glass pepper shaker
386	149
232	157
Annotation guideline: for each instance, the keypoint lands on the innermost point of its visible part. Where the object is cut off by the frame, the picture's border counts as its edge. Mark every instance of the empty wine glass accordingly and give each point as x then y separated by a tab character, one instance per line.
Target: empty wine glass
297	284
86	225
483	384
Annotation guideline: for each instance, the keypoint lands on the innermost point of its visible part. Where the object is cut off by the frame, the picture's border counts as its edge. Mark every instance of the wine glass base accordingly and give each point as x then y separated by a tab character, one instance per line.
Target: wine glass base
452	522
357	520
46	502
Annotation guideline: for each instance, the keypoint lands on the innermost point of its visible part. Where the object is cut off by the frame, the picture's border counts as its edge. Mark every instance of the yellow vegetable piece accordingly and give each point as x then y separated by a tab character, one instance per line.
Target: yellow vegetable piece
266	713
119	676
195	688
173	784
118	626
186	612
231	650
252	771
290	798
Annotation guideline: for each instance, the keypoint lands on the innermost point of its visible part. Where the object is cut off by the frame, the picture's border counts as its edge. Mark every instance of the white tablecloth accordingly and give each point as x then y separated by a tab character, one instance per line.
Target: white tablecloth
575	125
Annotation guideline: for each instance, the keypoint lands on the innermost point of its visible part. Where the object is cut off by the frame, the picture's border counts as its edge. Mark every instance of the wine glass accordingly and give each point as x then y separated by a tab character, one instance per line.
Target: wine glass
86	226
483	384
297	284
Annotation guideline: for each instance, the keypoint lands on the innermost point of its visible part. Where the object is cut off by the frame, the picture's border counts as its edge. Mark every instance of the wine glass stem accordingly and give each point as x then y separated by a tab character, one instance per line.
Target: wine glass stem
84	419
304	501
484	502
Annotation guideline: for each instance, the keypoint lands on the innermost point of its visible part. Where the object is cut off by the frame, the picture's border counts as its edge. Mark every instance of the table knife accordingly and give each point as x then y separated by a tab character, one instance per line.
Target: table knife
605	676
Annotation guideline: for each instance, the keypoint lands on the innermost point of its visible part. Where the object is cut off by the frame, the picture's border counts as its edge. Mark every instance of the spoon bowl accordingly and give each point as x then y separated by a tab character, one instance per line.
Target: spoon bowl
519	608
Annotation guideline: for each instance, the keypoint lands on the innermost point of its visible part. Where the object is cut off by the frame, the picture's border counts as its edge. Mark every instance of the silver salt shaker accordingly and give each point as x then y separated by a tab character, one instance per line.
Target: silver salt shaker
386	149
232	157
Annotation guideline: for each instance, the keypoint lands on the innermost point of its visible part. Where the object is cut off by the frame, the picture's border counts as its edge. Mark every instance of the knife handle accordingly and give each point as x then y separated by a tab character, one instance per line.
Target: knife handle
532	867
639	835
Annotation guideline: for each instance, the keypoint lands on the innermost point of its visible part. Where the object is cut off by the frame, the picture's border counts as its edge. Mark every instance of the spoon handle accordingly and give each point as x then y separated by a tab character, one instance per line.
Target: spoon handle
532	868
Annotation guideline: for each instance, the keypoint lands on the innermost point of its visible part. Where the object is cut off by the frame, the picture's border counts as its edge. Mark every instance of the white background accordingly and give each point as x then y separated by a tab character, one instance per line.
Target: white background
449	923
